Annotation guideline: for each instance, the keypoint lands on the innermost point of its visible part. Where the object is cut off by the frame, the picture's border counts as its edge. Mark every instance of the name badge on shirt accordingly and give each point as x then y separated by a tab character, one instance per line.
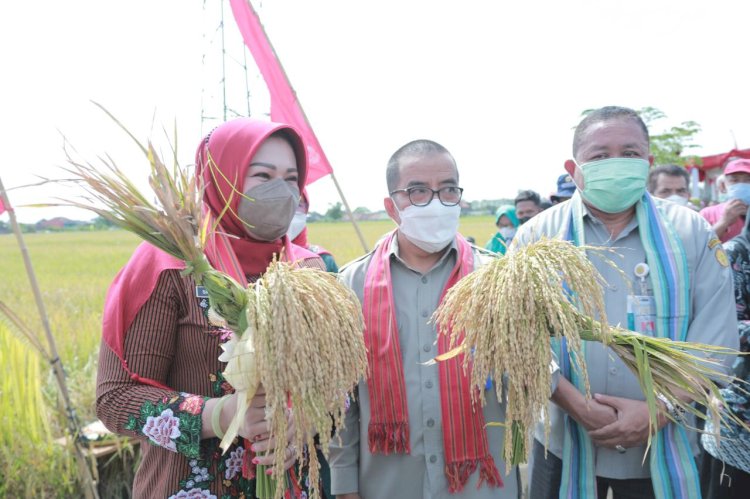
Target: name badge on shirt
202	295
642	314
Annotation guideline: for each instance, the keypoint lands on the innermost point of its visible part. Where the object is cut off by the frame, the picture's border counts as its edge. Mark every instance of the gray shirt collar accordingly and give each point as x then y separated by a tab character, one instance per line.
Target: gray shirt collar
393	253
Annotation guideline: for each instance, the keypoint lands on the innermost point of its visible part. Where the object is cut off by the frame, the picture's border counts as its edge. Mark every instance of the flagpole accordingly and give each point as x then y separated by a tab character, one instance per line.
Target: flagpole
349	211
304	115
73	426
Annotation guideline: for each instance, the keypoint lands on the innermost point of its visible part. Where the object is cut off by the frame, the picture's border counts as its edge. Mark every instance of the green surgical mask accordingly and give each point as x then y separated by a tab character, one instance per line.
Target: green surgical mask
613	185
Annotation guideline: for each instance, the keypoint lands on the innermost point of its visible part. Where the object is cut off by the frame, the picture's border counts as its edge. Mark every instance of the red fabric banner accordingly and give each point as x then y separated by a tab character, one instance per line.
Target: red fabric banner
719	160
285	107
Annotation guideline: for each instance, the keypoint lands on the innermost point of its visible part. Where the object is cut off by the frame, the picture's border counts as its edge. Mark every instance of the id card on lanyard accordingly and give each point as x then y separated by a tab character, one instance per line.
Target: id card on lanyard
641	308
642	314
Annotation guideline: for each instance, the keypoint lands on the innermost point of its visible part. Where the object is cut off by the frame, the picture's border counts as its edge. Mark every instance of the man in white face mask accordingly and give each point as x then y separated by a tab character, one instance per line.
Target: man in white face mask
402	430
670	182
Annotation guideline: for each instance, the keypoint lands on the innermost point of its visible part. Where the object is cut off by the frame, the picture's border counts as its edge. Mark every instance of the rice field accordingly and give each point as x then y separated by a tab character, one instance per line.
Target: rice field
74	270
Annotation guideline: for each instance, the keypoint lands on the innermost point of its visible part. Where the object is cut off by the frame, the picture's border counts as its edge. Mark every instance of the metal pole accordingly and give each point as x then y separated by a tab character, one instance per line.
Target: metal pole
73	426
223	64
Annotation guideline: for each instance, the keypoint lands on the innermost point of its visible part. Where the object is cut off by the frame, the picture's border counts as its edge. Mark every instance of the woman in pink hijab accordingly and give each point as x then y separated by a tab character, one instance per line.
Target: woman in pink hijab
160	378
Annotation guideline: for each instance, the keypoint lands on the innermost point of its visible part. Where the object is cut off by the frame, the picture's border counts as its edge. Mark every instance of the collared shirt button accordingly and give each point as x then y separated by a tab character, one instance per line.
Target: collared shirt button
427	347
425	313
614	288
424	279
428	383
612	370
430	423
433	459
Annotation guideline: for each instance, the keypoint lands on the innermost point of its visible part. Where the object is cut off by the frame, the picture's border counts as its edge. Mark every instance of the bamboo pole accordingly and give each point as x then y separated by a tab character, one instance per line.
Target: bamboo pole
73	425
349	212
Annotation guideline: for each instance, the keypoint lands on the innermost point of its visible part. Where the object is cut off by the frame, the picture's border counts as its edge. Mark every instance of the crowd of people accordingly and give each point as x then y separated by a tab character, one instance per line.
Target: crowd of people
412	430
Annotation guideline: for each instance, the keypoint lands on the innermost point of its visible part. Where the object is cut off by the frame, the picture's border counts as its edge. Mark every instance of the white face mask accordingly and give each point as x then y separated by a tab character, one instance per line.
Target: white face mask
432	227
297	226
507	232
677	199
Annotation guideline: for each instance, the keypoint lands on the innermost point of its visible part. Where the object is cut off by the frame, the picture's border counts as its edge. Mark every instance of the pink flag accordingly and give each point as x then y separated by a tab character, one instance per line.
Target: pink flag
2	207
285	107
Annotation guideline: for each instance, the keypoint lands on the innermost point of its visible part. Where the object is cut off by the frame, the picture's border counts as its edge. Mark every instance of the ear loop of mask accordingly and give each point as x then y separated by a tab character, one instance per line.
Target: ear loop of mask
573	177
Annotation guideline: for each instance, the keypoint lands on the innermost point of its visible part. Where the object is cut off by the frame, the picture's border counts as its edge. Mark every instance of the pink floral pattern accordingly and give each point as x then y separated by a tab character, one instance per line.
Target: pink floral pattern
192	404
193	494
163	429
234	463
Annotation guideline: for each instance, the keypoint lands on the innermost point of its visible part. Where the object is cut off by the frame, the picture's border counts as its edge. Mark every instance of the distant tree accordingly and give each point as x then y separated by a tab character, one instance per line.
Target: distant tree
100	223
361	210
335	212
669	146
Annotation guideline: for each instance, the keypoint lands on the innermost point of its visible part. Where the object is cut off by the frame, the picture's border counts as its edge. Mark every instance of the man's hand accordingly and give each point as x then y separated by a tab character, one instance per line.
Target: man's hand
733	210
631	427
592	414
348	496
597	415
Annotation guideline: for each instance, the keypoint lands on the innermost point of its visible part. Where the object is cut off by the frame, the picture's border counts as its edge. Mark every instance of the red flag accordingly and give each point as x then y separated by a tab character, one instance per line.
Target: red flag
2	206
285	107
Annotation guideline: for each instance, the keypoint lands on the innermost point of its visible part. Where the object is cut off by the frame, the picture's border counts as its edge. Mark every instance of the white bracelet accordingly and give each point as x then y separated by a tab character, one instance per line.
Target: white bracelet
675	412
216	416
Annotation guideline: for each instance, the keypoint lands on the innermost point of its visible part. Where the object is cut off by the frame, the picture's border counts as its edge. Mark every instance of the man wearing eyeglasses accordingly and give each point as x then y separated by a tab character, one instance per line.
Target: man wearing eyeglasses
412	431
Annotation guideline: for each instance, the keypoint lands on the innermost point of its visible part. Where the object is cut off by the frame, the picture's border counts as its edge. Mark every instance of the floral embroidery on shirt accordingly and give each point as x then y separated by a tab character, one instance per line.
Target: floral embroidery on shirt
193	494
234	463
192	404
163	430
219	385
174	424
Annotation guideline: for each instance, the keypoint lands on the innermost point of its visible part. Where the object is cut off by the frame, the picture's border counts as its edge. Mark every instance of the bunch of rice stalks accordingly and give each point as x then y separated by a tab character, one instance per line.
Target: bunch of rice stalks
297	332
306	353
508	310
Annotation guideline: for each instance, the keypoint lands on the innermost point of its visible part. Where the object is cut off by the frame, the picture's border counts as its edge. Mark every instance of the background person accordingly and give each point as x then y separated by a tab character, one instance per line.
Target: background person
298	234
528	204
728	218
725	469
506	223
670	182
160	378
565	189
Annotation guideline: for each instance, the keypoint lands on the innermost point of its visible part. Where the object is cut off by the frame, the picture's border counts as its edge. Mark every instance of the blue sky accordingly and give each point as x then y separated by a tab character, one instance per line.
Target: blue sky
500	84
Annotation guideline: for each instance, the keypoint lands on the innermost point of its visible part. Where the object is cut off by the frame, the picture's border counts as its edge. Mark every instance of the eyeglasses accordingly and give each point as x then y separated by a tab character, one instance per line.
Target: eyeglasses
422	196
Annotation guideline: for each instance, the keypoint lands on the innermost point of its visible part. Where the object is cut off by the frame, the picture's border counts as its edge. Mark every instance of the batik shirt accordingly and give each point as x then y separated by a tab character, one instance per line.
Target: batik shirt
171	341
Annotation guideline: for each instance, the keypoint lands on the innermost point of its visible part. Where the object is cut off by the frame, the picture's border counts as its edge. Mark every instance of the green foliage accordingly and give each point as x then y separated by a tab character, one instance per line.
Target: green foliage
74	270
669	145
335	212
45	469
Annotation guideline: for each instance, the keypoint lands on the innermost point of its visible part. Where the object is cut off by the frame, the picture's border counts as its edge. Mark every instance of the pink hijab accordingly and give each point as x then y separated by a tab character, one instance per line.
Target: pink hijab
223	156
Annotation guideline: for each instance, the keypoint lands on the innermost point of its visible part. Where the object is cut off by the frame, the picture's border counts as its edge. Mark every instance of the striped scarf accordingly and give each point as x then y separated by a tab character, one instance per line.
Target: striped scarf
673	471
464	436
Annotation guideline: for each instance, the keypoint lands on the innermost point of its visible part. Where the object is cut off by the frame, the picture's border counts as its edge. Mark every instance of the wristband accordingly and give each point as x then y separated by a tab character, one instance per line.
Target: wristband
675	412
216	416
